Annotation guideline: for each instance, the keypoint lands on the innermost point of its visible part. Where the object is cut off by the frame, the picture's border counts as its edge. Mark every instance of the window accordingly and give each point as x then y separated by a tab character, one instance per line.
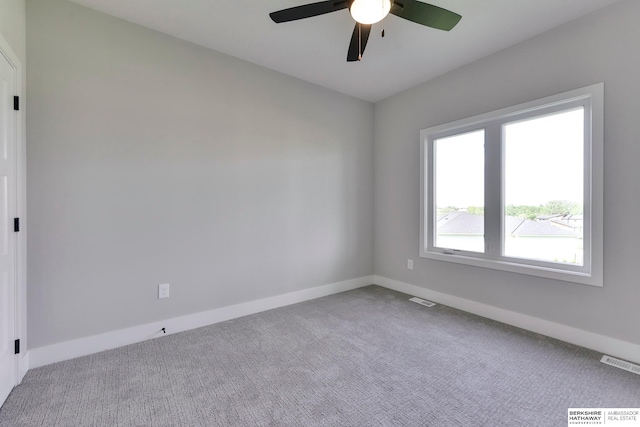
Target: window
519	189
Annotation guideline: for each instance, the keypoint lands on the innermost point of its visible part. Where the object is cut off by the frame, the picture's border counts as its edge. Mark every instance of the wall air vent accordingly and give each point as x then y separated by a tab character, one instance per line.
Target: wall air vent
423	302
608	360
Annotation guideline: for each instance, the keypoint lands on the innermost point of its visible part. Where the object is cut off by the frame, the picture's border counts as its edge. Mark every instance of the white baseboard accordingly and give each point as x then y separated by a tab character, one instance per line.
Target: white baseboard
42	356
84	346
601	343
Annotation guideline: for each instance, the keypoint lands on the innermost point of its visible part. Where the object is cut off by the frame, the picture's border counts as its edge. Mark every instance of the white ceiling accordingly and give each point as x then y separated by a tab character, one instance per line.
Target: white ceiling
315	49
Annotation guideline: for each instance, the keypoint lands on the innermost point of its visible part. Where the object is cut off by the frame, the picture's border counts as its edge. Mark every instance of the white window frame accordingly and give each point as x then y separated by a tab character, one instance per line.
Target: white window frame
591	98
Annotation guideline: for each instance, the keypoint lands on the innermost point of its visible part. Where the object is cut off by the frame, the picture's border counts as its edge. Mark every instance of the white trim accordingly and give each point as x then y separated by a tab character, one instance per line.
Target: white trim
84	346
601	343
89	345
20	327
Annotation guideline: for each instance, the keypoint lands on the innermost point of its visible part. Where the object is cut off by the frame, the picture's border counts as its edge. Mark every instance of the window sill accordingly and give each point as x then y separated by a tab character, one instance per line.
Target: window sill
531	270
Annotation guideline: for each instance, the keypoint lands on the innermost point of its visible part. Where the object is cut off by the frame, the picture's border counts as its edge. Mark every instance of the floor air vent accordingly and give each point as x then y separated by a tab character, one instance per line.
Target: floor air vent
608	360
423	302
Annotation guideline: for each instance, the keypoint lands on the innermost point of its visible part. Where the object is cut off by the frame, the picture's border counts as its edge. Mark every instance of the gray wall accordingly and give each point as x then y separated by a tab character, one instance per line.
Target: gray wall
599	47
12	26
152	160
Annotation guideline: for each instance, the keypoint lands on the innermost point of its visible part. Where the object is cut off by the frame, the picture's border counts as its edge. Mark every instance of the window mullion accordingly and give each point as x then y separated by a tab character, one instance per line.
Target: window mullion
427	190
493	190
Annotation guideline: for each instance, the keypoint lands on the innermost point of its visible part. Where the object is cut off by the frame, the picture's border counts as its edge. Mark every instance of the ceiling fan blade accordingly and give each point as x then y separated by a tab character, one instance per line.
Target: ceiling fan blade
359	40
425	14
308	10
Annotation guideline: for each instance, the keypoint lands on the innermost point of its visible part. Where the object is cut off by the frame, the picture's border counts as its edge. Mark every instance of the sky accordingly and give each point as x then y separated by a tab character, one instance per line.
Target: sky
543	162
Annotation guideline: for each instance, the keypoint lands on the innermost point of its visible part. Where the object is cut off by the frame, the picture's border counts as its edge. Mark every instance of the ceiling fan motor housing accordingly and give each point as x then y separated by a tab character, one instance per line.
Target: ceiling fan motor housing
369	12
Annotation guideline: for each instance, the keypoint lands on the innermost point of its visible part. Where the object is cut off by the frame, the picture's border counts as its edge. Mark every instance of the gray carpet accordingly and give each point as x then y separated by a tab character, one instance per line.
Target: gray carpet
367	357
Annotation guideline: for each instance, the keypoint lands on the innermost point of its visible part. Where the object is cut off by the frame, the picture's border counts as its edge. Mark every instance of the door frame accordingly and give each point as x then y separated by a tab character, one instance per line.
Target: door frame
21	361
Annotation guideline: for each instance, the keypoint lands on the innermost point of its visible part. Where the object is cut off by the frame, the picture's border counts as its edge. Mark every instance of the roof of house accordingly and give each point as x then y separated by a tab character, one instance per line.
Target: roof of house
466	223
460	223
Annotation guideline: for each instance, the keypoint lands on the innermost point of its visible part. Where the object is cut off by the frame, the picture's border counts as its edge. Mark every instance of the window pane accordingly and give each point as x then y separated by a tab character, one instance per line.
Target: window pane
544	179
459	192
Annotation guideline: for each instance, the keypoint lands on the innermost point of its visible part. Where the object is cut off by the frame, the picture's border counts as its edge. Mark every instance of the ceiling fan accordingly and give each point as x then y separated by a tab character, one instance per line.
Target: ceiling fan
368	12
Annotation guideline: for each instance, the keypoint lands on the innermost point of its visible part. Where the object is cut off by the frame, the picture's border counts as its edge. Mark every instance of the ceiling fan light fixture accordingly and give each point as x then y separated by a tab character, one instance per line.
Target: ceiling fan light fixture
369	12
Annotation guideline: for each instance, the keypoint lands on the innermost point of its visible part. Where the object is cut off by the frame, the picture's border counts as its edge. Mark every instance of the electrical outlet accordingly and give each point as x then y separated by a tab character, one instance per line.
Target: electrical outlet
163	291
410	264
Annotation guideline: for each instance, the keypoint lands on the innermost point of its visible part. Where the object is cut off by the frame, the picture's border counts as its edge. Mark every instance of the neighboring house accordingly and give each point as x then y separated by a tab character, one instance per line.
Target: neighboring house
524	237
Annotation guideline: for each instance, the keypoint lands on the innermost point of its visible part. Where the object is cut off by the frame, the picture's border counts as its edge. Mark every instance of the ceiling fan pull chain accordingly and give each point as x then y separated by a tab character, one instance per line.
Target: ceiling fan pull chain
383	18
359	42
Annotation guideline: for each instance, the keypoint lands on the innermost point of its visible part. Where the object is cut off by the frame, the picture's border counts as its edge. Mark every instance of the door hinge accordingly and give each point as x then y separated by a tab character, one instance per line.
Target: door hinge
16	103
16	224
16	345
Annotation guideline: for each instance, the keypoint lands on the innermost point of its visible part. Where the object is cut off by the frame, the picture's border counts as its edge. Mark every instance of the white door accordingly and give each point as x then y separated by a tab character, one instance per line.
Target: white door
7	236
